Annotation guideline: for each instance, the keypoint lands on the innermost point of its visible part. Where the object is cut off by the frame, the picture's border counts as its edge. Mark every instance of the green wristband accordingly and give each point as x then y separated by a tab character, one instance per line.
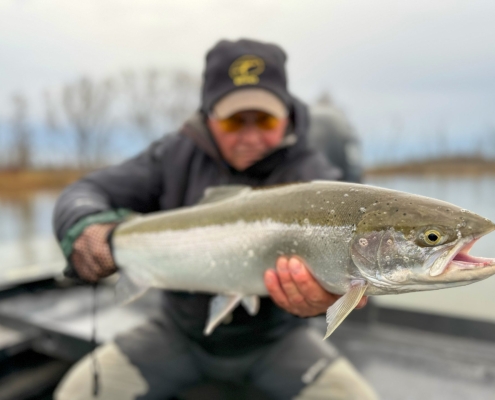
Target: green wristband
117	215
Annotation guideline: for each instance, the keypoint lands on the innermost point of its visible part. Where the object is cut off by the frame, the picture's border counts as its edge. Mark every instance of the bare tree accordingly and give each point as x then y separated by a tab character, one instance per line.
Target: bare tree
21	132
51	117
442	142
182	97
156	100
54	125
142	101
86	108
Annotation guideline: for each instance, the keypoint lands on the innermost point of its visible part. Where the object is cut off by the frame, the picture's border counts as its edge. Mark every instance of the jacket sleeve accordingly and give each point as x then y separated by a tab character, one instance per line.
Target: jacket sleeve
135	184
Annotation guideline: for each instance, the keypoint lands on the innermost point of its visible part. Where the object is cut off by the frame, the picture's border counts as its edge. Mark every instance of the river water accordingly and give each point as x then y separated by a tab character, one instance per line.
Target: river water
28	250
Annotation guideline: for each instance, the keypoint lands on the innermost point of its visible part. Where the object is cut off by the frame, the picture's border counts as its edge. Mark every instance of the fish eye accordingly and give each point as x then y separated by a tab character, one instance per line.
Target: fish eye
432	237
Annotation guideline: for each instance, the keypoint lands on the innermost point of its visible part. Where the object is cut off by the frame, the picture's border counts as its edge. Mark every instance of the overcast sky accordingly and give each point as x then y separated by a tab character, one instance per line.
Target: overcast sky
424	63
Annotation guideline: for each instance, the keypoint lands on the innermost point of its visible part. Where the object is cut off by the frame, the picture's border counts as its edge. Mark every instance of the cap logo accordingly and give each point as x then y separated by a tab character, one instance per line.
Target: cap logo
246	70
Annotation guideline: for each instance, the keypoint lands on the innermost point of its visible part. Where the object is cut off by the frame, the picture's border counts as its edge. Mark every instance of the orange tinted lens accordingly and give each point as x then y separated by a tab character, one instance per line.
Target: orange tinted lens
231	124
266	121
236	122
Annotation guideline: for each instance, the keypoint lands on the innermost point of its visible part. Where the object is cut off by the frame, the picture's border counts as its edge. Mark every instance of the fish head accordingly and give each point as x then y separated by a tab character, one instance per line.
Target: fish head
407	243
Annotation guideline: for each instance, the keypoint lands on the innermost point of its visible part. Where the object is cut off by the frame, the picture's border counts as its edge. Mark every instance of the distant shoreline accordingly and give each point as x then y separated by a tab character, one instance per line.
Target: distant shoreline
455	166
25	181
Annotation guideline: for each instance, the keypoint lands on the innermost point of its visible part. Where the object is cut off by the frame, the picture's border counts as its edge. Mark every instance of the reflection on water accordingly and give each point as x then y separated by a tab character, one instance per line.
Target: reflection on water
25	216
27	247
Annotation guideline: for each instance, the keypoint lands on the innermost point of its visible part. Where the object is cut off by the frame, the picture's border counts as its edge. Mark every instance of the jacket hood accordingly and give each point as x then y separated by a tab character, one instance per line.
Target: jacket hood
293	144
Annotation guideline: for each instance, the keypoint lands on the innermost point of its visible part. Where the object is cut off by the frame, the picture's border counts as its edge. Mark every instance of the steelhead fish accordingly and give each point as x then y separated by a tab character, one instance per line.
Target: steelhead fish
355	239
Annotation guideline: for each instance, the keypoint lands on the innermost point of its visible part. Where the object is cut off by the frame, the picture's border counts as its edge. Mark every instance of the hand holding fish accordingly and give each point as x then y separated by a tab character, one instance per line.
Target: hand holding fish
296	291
91	255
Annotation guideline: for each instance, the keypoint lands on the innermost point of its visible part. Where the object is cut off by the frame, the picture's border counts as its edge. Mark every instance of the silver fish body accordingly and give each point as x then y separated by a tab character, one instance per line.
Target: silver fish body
232	258
387	241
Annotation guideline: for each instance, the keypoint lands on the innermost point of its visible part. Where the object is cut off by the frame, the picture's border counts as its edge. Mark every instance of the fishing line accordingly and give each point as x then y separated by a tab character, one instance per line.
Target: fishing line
94	360
96	367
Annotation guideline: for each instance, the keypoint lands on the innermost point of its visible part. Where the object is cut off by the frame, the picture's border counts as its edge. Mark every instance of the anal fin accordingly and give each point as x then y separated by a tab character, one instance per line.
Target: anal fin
343	306
251	304
220	306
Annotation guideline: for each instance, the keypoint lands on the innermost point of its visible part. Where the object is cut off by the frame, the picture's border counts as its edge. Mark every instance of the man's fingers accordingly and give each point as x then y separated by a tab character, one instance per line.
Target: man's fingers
83	267
293	288
307	285
91	254
288	285
278	295
103	258
362	302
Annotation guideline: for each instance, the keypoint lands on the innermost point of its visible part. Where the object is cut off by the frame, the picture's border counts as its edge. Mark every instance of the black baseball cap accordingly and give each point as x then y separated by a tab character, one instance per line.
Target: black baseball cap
245	74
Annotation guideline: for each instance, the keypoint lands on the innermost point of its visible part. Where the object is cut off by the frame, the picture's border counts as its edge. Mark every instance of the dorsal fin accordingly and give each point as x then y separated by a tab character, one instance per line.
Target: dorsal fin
218	193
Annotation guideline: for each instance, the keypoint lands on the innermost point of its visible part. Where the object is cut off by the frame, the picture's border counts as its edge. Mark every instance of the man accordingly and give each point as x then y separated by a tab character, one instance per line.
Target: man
249	130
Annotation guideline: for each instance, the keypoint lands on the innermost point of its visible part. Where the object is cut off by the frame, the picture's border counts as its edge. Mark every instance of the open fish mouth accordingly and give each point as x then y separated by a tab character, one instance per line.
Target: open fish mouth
462	260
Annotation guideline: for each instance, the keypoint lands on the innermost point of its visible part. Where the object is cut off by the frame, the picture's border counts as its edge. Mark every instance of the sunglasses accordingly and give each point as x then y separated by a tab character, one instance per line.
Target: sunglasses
236	122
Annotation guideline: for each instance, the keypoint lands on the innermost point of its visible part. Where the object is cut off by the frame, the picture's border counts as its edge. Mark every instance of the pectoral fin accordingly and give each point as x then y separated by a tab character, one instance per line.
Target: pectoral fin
128	289
343	306
251	304
220	306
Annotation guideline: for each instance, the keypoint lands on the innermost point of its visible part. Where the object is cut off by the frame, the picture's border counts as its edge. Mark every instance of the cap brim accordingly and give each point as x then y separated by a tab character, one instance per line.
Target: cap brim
249	99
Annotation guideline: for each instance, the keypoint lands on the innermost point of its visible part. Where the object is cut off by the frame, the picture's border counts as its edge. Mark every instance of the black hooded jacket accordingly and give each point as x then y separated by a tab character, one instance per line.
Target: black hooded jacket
174	172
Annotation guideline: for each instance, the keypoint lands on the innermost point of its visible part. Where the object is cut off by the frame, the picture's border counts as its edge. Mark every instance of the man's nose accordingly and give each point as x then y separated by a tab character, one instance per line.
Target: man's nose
250	133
